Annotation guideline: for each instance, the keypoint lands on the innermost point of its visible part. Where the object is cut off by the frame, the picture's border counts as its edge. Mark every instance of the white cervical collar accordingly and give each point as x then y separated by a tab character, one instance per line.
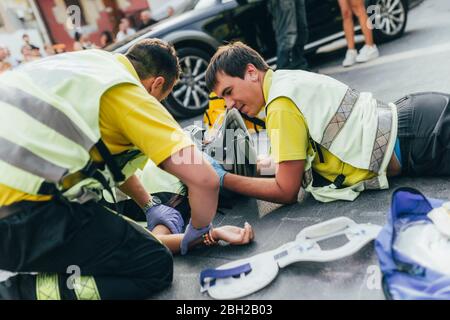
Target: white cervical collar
254	273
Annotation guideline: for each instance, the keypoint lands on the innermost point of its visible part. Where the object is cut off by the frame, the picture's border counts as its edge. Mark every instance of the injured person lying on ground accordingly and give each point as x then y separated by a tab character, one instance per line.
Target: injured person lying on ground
325	136
171	213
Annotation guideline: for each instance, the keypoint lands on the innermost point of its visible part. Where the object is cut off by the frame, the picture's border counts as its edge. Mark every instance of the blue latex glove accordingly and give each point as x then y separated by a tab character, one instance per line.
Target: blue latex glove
192	234
165	215
217	167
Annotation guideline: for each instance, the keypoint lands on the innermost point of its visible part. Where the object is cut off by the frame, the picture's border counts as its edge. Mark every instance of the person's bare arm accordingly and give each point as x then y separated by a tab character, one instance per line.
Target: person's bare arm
197	174
133	188
171	241
231	234
283	188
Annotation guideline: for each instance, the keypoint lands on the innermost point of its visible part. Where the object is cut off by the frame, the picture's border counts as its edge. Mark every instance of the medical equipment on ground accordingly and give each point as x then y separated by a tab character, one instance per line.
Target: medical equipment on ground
414	247
243	277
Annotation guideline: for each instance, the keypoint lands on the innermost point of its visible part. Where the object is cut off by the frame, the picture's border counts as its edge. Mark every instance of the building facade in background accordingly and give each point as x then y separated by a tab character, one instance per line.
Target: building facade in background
52	21
16	18
95	17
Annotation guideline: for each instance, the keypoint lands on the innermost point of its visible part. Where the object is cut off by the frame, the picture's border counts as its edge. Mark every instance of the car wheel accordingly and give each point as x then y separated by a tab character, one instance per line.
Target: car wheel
190	96
388	17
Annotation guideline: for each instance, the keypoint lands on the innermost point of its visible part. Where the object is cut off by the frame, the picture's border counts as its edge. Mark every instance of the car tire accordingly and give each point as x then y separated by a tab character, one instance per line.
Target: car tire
189	97
389	18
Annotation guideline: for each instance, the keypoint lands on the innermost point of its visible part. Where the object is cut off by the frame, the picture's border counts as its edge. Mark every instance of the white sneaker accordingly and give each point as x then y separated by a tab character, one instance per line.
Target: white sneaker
367	53
350	58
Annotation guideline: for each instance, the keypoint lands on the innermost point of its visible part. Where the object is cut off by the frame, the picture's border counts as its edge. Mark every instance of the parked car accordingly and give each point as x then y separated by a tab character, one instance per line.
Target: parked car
198	32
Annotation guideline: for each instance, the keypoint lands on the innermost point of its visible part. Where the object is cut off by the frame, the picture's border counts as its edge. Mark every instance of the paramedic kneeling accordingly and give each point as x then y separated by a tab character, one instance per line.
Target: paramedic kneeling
326	136
71	127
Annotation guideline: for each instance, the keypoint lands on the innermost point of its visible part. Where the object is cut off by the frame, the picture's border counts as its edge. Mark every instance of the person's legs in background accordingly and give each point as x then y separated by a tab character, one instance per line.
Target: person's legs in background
348	26
359	10
298	54
370	50
285	27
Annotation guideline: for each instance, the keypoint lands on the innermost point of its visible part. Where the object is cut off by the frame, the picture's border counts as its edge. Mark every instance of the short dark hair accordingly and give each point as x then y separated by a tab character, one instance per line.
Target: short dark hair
155	58
232	59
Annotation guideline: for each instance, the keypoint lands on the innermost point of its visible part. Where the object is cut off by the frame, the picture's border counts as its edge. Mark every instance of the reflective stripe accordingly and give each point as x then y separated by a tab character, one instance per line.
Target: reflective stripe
384	129
382	138
47	287
19	179
17	127
86	288
339	119
24	159
46	114
372	184
307	178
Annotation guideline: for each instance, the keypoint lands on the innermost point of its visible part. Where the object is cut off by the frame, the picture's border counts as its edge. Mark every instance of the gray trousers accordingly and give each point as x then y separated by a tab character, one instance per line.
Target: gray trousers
424	133
291	32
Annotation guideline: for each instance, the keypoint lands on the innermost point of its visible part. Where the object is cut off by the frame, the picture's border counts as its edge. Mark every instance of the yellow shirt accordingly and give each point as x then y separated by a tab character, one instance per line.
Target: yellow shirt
289	138
129	117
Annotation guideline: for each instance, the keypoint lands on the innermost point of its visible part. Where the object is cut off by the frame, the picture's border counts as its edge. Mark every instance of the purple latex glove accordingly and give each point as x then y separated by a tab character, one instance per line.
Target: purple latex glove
220	171
192	234
165	215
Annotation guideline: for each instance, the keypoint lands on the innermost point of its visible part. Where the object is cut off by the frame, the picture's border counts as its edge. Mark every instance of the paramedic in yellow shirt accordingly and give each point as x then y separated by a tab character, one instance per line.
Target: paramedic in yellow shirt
116	257
248	90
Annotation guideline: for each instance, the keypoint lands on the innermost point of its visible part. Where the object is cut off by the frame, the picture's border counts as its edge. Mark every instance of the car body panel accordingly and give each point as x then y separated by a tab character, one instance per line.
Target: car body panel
218	22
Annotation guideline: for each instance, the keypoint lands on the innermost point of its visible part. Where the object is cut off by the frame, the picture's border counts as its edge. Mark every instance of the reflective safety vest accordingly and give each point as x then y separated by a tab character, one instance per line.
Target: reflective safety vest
49	121
355	127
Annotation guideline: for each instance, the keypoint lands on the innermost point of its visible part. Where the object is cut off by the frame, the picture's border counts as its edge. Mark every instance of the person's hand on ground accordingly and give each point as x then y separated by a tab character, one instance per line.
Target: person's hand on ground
234	235
164	215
